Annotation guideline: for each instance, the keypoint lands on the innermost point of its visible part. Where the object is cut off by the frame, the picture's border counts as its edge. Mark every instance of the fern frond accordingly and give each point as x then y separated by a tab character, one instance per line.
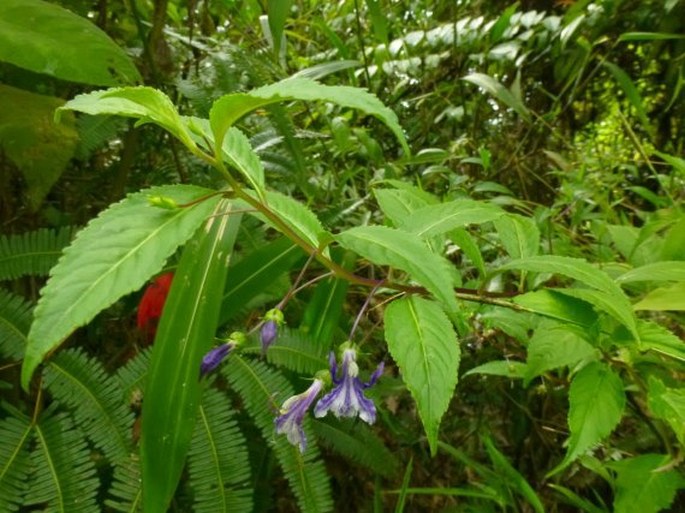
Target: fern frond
15	433
298	352
357	442
32	253
262	389
64	475
94	131
132	375
96	399
15	320
126	492
218	460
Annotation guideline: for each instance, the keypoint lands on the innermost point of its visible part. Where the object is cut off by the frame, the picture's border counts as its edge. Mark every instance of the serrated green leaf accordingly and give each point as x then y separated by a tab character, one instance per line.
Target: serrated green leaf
609	297
506	368
186	332
397	204
297	216
500	92
46	38
40	149
664	299
519	235
433	220
146	104
387	246
654	337
112	256
596	400
555	346
642	485
668	404
550	303
617	307
237	151
230	108
658	271
423	343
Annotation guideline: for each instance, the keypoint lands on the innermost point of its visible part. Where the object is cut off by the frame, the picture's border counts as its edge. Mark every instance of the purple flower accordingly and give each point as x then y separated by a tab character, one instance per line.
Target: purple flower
347	398
268	334
293	412
213	358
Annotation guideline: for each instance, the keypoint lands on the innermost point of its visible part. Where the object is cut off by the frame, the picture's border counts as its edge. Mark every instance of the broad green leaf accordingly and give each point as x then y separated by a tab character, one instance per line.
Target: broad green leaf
46	38
237	151
113	255
519	235
433	220
507	368
297	216
146	104
555	346
39	148
398	204
550	303
423	343
617	307
186	332
596	402
386	246
512	477
575	268
654	337
469	247
658	271
668	404
256	272
643	486
493	87
230	108
664	299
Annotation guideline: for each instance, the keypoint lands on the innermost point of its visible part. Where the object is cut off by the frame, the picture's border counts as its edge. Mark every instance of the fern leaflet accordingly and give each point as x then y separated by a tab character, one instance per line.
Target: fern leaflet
259	386
357	442
64	474
126	490
15	320
218	459
32	253
15	433
82	384
298	352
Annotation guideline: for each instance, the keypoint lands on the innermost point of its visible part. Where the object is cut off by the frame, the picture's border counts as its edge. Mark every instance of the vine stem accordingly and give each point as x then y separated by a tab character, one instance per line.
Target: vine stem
495	299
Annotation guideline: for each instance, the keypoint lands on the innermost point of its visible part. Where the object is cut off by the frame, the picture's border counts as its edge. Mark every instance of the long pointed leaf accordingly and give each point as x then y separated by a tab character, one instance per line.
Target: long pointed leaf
186	332
112	256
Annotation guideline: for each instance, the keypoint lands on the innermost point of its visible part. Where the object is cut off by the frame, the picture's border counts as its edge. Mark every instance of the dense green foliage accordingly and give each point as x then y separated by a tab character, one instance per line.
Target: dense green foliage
488	198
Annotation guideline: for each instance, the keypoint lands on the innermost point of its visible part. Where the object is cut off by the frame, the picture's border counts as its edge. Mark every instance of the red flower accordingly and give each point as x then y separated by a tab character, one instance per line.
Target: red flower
152	304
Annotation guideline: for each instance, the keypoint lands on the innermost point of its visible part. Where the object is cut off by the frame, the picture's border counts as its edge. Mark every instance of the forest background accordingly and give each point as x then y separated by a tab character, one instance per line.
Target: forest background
530	159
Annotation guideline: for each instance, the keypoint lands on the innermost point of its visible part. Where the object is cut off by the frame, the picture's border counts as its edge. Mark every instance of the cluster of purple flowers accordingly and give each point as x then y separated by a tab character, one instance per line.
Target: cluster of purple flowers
346	399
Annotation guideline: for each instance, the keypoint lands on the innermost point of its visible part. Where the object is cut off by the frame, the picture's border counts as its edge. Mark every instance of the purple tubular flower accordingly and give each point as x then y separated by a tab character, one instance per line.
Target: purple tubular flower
292	414
347	397
268	334
213	358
